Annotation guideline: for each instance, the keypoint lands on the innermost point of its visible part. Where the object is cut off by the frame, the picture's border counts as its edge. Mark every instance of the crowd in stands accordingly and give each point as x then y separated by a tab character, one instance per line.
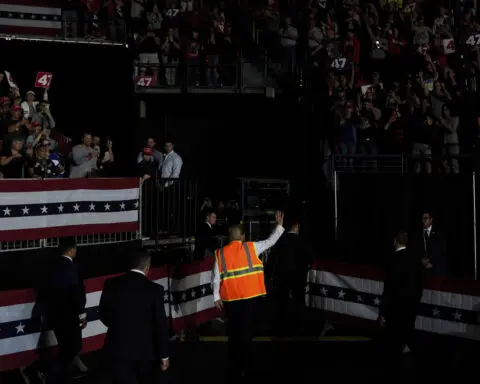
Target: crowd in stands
33	147
95	19
184	40
401	75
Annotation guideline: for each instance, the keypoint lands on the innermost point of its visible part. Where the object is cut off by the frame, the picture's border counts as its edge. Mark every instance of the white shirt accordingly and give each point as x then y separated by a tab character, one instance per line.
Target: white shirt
288	36
427	230
171	166
137	271
260	247
26	108
400	249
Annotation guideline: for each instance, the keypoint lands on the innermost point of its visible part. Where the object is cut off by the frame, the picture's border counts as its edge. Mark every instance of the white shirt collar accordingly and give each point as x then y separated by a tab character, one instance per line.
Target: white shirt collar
68	257
428	230
137	271
400	249
210	225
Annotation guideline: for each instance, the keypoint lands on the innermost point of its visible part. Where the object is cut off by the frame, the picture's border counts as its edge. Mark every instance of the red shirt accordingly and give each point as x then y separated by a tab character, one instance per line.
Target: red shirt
352	51
394	48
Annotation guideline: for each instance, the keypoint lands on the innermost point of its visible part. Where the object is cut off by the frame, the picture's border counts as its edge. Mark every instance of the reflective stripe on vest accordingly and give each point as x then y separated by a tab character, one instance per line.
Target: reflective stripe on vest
250	270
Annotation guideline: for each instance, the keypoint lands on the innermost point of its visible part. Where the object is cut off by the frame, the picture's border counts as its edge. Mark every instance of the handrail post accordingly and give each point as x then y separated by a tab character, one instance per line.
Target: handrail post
474	189
140	208
335	197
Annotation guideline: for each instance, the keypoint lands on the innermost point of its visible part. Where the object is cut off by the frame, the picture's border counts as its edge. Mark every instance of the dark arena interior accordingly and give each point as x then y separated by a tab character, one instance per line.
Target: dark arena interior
127	124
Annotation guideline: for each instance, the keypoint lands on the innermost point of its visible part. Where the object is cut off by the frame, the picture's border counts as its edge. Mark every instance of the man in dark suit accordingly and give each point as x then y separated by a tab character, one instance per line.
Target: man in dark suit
205	241
402	291
132	307
434	258
290	259
65	309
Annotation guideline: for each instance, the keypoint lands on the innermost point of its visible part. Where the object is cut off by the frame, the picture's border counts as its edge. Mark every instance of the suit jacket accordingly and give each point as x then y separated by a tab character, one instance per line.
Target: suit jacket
290	258
65	297
205	240
132	307
403	283
435	250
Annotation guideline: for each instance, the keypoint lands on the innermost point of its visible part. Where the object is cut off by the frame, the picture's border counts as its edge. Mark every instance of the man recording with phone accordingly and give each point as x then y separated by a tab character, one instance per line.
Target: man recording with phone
14	126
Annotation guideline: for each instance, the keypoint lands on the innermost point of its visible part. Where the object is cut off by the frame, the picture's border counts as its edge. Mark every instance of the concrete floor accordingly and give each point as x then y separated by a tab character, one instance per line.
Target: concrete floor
307	361
346	354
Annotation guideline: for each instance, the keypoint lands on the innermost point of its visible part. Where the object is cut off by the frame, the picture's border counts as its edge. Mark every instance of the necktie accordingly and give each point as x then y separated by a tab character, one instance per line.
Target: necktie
425	237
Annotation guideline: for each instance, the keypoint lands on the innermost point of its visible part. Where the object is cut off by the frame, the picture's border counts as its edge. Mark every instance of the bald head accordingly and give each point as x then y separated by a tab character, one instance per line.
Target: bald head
237	233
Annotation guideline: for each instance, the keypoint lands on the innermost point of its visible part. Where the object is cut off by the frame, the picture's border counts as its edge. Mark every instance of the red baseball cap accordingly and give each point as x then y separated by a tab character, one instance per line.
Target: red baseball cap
16	108
147	151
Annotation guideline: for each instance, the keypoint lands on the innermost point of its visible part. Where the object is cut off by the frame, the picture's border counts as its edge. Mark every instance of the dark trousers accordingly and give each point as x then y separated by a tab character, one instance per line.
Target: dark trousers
141	372
289	314
400	331
69	338
240	331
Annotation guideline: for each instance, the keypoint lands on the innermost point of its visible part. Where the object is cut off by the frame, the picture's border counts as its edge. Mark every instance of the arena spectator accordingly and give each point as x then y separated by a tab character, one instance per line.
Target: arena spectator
172	162
31	145
184	41
29	106
411	69
156	154
13	159
84	158
41	166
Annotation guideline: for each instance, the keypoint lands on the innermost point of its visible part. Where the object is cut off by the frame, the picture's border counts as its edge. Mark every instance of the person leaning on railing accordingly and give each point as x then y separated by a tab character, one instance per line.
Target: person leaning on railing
238	285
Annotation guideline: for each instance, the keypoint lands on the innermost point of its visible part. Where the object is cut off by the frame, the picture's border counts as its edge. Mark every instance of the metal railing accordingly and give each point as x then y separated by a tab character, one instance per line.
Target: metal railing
82	240
169	211
168	215
185	76
399	163
70	29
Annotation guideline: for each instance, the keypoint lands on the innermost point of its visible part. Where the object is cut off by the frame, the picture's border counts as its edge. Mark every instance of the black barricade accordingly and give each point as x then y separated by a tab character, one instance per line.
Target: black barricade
169	208
371	208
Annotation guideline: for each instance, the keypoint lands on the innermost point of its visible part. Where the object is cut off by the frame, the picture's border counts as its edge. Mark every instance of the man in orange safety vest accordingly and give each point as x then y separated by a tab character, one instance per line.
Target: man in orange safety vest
238	285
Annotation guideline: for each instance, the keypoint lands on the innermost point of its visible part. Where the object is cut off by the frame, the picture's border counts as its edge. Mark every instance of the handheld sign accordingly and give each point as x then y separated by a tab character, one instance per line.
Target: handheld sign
172	12
10	80
340	64
43	80
473	40
448	46
144	81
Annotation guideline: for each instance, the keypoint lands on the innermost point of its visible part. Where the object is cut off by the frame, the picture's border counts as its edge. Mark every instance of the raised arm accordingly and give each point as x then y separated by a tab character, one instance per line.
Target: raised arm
262	246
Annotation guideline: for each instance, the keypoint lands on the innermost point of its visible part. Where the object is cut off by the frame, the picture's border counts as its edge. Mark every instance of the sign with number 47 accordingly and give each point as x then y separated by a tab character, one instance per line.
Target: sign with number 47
338	63
43	80
144	81
473	40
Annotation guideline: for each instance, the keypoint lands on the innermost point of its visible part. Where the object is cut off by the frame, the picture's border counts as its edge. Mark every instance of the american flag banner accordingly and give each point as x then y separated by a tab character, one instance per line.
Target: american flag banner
188	302
448	307
38	209
31	17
